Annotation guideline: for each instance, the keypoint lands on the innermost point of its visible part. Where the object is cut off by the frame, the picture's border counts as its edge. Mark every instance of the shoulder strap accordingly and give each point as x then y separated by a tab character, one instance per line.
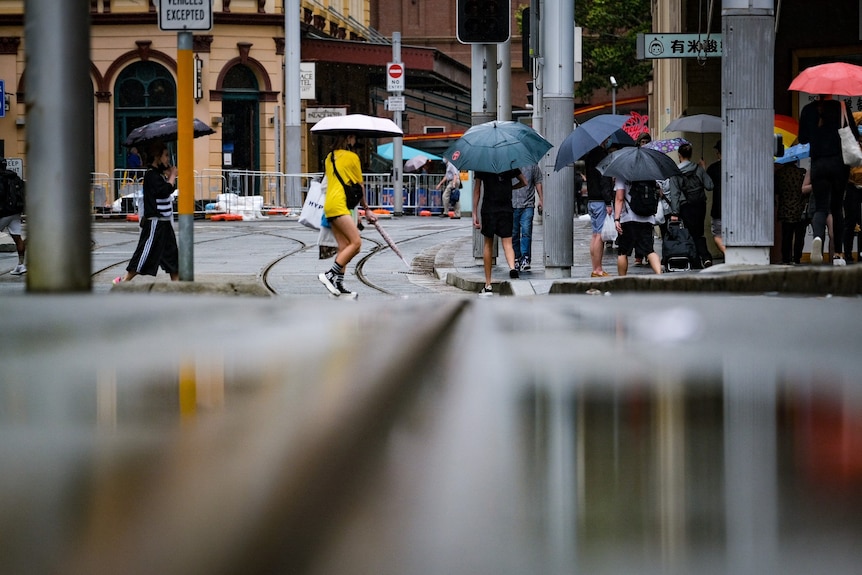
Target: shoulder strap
334	169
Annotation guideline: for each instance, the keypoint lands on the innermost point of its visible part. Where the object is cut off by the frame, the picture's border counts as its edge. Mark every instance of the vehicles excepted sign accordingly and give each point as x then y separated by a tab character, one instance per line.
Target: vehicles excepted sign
651	46
395	77
184	15
395	104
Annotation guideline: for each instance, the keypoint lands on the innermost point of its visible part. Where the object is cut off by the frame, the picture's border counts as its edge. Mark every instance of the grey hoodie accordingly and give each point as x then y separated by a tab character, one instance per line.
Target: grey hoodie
675	195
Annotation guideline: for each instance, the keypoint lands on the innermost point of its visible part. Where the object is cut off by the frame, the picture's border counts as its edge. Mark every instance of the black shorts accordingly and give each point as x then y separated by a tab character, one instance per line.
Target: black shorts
636	235
497	224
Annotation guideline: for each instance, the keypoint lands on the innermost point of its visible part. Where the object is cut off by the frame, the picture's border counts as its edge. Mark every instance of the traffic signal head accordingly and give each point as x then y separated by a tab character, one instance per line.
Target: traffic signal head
483	21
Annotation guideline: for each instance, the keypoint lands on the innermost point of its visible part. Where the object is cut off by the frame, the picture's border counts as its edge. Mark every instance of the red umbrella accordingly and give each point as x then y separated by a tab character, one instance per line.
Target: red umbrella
837	78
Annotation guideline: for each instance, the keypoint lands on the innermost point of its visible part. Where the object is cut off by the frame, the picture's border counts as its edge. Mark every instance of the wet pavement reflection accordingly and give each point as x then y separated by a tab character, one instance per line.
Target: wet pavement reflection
562	435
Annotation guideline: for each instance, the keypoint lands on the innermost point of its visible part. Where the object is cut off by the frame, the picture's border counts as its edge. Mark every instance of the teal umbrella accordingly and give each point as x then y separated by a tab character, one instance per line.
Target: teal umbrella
407	153
497	147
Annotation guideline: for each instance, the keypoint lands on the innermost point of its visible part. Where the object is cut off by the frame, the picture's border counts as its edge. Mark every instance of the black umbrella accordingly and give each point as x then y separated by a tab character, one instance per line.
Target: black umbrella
164	130
633	164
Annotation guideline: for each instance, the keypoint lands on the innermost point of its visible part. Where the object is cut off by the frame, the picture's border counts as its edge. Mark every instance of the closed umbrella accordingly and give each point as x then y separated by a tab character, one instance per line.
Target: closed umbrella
633	164
390	242
591	134
497	147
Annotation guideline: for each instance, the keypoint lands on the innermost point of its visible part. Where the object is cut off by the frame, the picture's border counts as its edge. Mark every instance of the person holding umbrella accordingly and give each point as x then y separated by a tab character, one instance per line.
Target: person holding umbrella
497	216
819	122
635	231
342	164
157	245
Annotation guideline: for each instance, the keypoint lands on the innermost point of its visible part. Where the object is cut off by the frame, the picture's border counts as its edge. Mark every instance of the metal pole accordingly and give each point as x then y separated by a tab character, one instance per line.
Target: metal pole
483	102
292	100
185	155
397	158
747	106
558	103
59	146
504	81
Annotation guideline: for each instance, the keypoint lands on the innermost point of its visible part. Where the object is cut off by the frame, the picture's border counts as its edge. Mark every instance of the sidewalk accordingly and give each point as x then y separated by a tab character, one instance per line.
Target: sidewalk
464	271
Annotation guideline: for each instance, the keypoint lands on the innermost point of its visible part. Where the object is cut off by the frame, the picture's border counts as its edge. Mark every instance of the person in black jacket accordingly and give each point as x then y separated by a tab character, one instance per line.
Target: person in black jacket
157	245
819	122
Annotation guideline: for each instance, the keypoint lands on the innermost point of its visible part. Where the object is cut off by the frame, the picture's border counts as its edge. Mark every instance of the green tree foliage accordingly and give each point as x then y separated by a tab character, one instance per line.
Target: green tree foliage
610	29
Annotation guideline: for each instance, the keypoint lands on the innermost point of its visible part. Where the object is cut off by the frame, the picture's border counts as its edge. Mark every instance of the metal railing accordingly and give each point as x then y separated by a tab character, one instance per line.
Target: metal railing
120	193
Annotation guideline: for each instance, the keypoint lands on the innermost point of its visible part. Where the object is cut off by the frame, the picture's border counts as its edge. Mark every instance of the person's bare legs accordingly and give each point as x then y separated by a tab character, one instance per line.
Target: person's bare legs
654	262
719	243
347	236
622	265
508	251
597	249
486	257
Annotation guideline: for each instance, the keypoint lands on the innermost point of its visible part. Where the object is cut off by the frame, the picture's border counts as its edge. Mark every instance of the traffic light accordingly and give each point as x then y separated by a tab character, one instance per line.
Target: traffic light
483	21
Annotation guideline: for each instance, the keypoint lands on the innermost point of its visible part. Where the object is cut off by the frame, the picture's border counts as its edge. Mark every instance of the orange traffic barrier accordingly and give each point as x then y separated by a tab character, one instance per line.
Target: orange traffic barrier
226	218
425	213
133	218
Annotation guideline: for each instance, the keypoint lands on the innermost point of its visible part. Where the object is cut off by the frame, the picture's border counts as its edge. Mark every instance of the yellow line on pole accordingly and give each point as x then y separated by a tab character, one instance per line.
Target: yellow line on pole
185	134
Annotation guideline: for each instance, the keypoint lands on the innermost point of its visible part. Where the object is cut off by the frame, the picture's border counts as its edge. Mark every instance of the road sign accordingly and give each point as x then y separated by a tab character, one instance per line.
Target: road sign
395	104
185	15
16	165
650	46
395	77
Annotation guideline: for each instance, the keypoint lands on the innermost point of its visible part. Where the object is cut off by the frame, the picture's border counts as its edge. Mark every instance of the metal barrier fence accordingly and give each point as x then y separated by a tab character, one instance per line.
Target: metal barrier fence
120	193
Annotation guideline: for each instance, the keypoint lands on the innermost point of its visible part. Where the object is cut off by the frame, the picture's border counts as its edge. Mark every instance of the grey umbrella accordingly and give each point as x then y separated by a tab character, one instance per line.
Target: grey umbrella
633	164
698	123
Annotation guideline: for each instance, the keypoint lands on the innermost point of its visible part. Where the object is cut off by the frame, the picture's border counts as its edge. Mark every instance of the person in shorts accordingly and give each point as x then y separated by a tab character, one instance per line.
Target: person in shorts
496	218
10	217
635	232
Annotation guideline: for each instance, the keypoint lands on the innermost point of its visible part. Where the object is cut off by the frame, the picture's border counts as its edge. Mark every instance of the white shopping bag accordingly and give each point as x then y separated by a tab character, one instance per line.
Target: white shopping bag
312	209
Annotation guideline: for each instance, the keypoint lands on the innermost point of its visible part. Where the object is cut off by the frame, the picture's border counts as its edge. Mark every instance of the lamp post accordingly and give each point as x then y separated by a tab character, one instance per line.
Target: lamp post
613	95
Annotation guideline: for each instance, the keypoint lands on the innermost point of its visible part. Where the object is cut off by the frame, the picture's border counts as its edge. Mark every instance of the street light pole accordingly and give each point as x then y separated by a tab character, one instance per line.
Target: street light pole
613	95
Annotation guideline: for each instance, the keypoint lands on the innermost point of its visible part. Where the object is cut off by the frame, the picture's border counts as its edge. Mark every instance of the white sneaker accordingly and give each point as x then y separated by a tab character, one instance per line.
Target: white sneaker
486	291
19	269
326	279
838	261
817	251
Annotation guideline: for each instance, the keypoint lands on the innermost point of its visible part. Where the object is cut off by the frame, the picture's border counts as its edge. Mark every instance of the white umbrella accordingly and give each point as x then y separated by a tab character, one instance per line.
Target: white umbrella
415	163
358	124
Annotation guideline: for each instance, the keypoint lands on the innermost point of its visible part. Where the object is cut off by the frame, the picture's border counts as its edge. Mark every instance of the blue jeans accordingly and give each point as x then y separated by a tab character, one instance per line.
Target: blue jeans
522	232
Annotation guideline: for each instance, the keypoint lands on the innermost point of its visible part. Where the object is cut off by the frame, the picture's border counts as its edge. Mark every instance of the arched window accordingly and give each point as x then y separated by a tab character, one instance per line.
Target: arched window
144	92
146	85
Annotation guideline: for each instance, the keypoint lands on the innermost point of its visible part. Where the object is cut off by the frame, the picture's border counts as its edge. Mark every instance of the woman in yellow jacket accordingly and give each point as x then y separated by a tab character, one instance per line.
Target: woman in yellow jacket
346	162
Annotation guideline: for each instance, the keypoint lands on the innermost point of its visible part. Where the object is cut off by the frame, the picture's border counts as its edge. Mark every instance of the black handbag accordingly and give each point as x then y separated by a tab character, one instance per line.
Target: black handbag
352	192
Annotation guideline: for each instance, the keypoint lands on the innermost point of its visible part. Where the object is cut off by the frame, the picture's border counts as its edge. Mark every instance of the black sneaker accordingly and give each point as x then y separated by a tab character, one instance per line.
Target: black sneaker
327	279
344	292
525	264
513	274
486	291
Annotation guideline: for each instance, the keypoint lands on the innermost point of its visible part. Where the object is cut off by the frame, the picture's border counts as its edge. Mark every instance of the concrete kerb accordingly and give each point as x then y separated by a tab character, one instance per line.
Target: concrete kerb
726	278
225	288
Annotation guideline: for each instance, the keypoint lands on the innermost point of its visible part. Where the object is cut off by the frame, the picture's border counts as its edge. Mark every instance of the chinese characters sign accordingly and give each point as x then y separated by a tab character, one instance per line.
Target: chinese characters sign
651	46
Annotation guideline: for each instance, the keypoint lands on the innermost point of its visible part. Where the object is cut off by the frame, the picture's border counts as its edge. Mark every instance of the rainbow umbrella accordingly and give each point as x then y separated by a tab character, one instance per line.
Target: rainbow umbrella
788	128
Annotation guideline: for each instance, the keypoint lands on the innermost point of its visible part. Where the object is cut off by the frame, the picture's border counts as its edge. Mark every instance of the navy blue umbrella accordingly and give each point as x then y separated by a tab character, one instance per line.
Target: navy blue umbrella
587	136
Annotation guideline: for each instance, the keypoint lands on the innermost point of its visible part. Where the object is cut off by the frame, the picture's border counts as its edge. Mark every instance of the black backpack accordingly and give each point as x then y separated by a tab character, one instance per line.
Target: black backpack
644	198
12	194
692	187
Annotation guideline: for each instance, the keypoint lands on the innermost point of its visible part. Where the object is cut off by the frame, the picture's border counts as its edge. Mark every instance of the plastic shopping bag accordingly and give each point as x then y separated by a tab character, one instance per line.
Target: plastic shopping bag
609	230
312	209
